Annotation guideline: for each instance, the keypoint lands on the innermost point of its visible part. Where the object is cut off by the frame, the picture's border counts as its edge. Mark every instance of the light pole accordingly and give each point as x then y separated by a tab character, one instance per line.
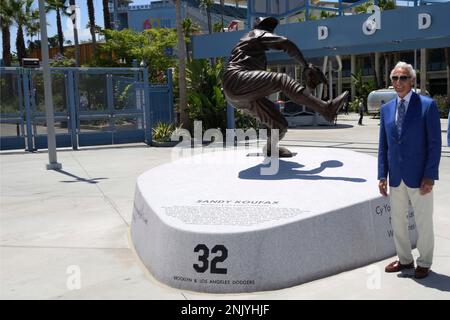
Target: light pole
73	16
51	138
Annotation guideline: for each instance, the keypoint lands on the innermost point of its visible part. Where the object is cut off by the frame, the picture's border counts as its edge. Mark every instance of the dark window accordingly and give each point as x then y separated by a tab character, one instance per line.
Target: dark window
436	60
346	68
367	69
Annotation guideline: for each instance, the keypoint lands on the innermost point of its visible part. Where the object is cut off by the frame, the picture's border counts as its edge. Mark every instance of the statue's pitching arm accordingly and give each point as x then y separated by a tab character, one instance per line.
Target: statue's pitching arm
276	42
313	75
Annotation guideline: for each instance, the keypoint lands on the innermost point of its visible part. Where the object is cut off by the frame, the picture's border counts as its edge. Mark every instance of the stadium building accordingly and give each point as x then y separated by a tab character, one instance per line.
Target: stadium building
331	29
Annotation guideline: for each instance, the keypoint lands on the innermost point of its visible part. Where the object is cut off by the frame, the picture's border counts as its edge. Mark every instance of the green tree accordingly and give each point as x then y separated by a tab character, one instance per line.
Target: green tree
218	27
59	6
149	46
154	53
6	20
386	4
206	102
52	41
311	17
119	44
327	14
382	4
363	7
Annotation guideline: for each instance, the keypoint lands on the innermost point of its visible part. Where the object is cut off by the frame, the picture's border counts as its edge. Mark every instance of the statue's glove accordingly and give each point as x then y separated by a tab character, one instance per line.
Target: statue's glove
313	76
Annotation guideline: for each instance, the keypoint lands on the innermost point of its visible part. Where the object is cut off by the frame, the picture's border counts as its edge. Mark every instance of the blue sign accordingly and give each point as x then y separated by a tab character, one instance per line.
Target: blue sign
420	27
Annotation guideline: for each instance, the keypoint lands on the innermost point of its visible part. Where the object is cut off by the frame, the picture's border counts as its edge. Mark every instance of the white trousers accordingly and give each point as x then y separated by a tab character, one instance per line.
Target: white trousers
423	216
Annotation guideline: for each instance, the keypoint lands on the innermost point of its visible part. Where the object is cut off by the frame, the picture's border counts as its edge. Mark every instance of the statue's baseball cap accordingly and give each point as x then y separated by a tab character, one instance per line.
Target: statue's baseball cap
265	23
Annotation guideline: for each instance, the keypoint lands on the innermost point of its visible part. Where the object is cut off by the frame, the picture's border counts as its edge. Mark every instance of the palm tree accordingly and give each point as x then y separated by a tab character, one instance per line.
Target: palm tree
189	28
22	15
91	14
34	26
222	4
59	6
6	20
73	16
207	4
184	118
106	14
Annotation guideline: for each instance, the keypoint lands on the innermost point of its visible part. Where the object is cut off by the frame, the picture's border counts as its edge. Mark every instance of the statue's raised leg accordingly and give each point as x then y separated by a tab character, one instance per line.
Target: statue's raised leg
254	85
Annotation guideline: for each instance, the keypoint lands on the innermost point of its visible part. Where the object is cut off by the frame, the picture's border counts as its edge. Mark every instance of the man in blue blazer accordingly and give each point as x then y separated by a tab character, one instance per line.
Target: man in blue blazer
408	156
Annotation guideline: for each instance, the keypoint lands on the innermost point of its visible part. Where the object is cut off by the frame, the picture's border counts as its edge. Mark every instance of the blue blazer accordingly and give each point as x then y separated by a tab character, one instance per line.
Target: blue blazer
416	153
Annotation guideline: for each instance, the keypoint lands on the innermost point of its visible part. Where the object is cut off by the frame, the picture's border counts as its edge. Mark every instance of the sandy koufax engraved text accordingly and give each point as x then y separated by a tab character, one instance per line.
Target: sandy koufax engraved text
232	212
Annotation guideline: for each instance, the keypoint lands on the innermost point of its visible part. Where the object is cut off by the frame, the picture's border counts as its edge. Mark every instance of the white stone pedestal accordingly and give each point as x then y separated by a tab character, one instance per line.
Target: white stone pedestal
216	223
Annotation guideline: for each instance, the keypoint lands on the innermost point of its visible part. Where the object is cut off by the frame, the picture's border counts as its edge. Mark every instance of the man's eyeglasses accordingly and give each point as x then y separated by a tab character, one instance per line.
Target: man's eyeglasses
401	78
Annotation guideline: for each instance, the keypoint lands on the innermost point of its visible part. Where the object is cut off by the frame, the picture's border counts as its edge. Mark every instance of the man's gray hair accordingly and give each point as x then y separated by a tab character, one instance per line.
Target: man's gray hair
405	66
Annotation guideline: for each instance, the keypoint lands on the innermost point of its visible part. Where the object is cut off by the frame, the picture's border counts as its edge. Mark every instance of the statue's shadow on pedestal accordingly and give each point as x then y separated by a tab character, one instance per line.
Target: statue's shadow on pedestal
289	170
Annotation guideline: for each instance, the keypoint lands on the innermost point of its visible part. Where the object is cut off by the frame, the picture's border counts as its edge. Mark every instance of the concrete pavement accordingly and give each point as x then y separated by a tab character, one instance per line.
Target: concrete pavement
65	235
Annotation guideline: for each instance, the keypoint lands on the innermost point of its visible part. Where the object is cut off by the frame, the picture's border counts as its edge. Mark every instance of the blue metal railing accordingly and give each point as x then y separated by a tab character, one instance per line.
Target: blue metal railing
94	106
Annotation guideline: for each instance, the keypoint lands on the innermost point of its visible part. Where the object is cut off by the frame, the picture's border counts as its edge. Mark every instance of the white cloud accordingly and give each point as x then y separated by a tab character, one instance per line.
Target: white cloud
83	33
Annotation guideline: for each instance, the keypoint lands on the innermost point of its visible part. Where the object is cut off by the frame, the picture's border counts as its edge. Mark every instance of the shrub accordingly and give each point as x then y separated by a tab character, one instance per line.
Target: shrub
62	61
443	105
163	131
206	100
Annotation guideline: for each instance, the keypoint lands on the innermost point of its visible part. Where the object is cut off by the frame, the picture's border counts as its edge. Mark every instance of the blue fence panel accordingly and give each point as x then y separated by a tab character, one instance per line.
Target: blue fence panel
93	106
60	95
161	101
12	121
128	112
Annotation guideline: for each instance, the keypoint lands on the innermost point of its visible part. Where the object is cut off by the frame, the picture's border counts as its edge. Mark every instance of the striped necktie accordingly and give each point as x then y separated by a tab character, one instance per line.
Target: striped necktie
401	116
